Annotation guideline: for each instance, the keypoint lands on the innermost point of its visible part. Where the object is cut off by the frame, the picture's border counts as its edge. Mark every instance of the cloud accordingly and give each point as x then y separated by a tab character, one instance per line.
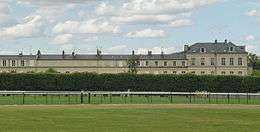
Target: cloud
146	33
163	6
143	19
103	9
253	48
253	13
5	18
63	39
156	50
30	27
250	37
89	26
151	11
51	2
116	49
180	23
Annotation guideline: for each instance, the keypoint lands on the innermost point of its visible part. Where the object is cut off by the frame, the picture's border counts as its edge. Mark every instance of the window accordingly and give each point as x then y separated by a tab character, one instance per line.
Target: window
202	61
231	61
183	72
223	73
183	63
156	63
231	72
223	61
138	63
202	72
202	50
164	72
22	63
193	72
4	62
240	62
174	63
13	62
212	61
193	61
240	73
174	72
165	63
231	48
146	63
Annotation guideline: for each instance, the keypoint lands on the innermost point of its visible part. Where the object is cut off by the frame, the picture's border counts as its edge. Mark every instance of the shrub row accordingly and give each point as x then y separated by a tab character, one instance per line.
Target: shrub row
123	82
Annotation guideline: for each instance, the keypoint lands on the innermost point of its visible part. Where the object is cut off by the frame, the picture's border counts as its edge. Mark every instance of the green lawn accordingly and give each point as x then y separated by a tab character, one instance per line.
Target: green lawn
100	99
130	118
256	73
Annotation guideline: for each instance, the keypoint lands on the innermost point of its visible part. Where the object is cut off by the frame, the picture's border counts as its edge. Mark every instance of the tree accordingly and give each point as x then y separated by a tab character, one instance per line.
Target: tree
133	63
252	58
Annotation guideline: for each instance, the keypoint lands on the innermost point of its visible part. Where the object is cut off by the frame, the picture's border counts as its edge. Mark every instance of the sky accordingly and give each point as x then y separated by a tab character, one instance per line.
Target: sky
120	26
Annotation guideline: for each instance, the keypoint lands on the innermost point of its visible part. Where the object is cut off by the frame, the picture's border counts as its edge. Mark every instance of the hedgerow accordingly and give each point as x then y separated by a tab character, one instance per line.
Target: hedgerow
123	82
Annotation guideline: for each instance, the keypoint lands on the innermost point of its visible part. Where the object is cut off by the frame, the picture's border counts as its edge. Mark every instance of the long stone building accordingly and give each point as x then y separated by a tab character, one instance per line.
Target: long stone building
216	58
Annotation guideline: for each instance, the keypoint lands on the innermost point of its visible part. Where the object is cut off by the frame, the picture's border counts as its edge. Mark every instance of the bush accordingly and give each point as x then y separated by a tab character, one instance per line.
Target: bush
123	82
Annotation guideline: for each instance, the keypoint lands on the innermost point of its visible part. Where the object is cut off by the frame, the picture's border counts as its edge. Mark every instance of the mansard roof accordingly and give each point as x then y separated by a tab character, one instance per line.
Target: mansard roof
216	47
177	56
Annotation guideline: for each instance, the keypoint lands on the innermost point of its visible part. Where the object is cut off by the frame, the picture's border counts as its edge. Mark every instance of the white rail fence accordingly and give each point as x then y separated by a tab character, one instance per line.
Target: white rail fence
88	96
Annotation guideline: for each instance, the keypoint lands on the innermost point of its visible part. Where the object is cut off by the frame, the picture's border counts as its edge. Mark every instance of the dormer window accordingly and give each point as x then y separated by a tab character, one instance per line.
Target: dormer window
202	50
231	49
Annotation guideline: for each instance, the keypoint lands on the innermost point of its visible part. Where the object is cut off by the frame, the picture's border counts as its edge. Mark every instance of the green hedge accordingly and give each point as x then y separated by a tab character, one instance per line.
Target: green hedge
123	82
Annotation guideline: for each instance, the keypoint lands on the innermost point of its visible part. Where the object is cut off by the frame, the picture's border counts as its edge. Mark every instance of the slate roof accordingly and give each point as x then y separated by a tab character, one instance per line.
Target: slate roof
217	47
177	56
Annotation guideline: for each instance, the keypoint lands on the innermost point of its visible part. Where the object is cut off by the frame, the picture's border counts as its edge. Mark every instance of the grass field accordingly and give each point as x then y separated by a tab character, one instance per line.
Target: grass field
256	73
100	99
130	118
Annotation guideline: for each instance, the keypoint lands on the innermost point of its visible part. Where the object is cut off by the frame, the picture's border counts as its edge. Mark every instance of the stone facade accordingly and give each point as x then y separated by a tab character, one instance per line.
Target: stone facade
216	58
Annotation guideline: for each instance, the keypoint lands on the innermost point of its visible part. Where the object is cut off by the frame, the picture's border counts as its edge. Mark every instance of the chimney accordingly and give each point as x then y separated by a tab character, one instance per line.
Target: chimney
38	54
186	47
98	52
225	41
216	41
149	53
162	54
73	54
63	54
133	52
21	54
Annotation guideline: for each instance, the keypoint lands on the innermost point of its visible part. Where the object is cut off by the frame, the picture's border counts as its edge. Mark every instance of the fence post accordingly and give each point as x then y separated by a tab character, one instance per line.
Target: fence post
81	97
46	99
23	97
110	98
131	98
89	97
69	98
190	97
247	97
125	98
209	97
171	98
228	96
